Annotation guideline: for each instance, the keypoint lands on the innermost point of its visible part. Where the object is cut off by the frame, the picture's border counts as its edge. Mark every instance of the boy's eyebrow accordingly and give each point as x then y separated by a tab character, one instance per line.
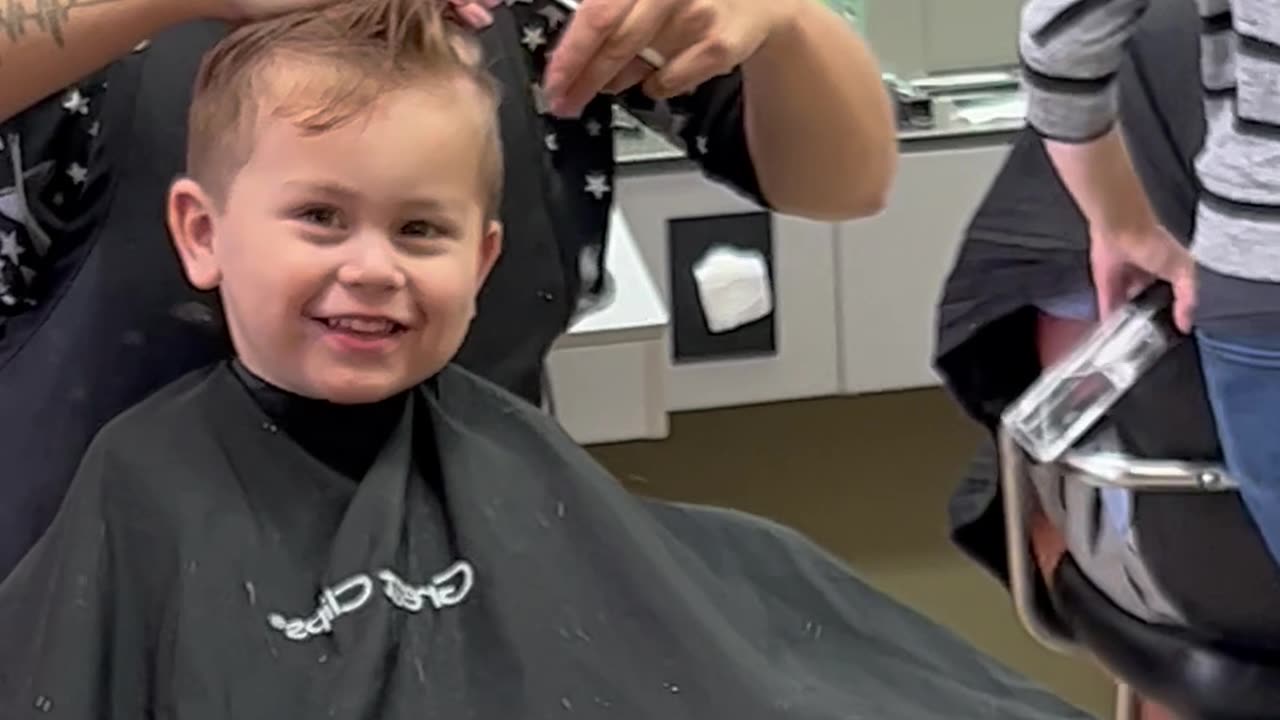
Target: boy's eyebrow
324	187
338	190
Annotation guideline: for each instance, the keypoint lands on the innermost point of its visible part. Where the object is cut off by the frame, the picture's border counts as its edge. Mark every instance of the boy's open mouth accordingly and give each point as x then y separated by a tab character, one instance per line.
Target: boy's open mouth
362	326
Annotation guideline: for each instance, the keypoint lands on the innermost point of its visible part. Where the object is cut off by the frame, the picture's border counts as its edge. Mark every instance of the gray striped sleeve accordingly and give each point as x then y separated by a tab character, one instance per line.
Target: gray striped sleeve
1071	51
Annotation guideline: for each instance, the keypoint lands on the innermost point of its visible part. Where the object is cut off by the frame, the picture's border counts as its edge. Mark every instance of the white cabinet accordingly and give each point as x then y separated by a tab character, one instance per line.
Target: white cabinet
802	359
607	373
891	267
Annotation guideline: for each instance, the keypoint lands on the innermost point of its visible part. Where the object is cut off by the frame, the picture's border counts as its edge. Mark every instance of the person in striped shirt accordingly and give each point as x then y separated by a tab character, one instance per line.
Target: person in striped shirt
1227	283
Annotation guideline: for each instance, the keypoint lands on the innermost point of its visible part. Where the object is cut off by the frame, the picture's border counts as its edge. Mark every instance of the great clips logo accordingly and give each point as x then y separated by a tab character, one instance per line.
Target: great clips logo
446	589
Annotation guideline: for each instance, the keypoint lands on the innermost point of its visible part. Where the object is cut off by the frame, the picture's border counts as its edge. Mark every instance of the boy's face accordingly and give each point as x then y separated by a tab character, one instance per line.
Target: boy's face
349	261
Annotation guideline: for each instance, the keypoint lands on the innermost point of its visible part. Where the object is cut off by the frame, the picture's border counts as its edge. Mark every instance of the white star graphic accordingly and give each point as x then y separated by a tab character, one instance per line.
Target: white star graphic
597	185
9	248
553	142
78	173
540	100
593	128
589	265
679	121
11	205
533	37
75	102
554	15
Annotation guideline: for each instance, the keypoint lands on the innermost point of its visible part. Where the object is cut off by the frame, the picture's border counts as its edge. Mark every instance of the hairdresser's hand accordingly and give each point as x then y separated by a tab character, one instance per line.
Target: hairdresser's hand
698	39
474	14
1123	264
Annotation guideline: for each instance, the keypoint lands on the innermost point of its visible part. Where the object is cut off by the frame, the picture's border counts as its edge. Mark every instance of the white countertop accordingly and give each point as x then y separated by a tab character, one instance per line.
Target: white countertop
647	146
634	310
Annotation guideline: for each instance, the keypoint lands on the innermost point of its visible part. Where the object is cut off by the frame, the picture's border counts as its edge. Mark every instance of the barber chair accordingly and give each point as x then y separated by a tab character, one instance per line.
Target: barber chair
1157	441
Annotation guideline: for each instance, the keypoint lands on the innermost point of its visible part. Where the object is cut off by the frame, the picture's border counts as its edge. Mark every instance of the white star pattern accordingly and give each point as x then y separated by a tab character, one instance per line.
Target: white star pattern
679	121
593	128
540	100
9	248
75	102
554	15
534	37
553	142
589	265
597	185
78	173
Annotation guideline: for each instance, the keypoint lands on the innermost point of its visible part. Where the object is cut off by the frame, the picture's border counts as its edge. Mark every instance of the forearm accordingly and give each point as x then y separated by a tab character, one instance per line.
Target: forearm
46	45
1101	178
819	123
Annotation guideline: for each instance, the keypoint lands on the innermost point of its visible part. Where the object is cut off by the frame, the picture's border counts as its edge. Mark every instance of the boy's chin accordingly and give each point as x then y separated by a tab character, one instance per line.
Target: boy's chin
357	389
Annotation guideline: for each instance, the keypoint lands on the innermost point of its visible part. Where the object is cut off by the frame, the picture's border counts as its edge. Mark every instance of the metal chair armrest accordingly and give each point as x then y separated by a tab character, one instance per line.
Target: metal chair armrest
1104	468
1015	482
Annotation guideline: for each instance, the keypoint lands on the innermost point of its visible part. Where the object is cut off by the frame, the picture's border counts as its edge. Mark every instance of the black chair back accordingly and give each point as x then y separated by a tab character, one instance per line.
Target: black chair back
1196	679
1203	548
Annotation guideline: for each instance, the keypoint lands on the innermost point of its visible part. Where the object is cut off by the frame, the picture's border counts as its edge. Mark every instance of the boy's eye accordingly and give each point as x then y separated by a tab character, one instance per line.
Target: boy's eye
320	215
422	229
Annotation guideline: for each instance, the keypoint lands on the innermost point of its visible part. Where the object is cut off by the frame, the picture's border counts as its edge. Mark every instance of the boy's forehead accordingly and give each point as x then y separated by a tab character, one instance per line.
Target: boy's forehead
406	142
323	94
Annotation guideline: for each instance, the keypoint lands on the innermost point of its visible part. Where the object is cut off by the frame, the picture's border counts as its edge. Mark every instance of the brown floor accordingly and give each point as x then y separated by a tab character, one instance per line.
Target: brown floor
869	478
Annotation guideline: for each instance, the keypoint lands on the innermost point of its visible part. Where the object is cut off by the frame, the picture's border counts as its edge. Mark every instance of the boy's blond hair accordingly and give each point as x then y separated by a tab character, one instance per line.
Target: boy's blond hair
351	53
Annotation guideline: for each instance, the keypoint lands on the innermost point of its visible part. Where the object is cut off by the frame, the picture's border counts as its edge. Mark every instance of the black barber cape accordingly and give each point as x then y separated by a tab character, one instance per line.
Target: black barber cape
204	566
1027	242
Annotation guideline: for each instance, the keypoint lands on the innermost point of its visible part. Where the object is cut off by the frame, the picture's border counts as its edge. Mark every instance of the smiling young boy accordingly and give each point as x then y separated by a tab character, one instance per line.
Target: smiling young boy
338	524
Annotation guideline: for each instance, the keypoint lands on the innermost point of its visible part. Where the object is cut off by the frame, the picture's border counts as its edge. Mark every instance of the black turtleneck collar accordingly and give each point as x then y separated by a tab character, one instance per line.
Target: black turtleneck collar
347	438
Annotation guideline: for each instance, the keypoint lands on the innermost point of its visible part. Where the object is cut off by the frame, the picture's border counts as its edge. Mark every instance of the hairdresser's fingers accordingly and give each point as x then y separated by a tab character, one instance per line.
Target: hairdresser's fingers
470	13
631	75
636	33
593	36
673	39
474	16
717	55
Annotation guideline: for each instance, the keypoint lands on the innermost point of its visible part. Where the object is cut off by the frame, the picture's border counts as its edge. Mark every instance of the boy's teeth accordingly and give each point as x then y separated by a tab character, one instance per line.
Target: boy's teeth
361	325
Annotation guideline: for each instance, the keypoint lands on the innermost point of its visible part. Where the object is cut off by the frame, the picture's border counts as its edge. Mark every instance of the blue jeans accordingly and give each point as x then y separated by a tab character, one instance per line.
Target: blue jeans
1242	376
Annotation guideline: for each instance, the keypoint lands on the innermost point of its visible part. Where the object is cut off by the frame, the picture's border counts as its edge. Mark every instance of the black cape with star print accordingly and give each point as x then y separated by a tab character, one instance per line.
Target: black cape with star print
205	567
100	315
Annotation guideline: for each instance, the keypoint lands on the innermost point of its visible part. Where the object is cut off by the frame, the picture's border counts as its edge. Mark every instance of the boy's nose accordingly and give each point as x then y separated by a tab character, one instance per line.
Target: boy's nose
372	264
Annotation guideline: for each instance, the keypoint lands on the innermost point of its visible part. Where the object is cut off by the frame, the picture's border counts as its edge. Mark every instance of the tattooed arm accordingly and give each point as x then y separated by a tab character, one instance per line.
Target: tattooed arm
46	45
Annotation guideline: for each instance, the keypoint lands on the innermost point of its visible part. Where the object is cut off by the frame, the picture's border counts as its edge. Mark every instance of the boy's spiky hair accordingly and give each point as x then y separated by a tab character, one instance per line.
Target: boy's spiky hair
353	52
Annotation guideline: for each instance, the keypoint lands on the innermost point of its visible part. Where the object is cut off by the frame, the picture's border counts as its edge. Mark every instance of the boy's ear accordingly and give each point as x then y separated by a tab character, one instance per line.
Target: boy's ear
490	249
190	213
